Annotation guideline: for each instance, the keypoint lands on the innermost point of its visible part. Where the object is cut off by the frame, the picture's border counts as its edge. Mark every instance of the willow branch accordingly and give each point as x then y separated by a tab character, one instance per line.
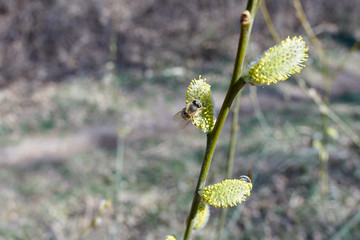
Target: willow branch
236	84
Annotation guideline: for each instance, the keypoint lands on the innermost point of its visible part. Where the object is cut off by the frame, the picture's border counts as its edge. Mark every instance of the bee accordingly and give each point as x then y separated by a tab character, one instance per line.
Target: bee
187	113
247	178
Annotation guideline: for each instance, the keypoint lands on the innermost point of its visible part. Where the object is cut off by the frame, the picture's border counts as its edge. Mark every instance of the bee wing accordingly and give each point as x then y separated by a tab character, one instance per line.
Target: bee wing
250	175
180	119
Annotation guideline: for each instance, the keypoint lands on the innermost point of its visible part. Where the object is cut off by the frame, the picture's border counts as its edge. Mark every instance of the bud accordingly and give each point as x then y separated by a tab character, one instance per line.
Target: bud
104	204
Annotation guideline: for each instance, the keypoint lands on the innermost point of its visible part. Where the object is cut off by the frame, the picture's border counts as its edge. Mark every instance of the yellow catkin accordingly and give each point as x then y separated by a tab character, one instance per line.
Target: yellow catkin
202	215
199	89
279	62
170	237
229	192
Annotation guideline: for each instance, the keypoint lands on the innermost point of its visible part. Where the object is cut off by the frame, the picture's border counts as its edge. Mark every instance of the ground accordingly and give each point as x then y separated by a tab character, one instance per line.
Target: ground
62	153
69	141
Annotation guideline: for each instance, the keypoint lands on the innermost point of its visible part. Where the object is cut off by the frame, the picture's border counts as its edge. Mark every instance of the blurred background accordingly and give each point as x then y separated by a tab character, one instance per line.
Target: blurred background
88	89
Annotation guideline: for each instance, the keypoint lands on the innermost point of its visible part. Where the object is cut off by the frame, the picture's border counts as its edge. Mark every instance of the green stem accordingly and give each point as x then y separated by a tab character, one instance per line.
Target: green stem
327	87
212	139
236	84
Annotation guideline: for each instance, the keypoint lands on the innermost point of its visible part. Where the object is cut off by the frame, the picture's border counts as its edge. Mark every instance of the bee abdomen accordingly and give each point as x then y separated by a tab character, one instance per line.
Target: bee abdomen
185	115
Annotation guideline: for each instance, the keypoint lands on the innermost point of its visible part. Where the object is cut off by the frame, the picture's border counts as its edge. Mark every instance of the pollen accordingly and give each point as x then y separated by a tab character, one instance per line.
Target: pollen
199	89
279	62
229	192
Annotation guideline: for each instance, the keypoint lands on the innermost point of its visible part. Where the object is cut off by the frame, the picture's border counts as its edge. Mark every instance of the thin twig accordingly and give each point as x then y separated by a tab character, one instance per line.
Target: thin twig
230	160
345	228
326	110
269	23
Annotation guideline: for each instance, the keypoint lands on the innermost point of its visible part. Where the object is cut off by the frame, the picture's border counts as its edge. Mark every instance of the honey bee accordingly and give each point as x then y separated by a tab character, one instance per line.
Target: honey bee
247	178
187	113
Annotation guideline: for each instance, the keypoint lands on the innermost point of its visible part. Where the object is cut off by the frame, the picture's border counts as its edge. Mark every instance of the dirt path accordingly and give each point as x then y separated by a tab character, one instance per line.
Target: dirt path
54	147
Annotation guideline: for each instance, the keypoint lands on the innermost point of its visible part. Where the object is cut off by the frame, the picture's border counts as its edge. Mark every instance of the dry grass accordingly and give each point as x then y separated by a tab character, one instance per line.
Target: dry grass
53	176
